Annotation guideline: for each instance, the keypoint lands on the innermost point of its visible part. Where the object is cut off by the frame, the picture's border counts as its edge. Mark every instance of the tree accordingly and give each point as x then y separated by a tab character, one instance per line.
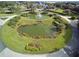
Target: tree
78	24
6	3
76	9
67	11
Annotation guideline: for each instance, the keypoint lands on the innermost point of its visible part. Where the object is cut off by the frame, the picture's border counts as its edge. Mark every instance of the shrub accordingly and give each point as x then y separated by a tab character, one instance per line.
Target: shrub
13	22
32	47
50	15
24	15
73	18
78	25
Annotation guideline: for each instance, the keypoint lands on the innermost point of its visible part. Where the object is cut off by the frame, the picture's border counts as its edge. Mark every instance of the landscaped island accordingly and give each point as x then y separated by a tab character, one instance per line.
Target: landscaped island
29	34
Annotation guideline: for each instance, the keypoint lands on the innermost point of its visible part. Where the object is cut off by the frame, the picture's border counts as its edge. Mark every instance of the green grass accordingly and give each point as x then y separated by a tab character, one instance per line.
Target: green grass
31	16
5	14
59	10
68	34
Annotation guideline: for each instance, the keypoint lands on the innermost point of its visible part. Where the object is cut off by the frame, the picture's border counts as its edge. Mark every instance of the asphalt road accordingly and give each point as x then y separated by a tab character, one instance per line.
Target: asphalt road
72	48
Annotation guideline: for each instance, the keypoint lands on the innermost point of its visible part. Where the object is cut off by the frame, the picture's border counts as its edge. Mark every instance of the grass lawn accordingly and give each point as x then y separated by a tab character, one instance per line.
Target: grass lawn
5	15
28	44
59	10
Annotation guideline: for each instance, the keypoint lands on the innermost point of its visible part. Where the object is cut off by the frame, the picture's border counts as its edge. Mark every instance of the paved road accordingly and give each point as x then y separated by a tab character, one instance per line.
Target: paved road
9	18
2	46
9	53
72	47
2	22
